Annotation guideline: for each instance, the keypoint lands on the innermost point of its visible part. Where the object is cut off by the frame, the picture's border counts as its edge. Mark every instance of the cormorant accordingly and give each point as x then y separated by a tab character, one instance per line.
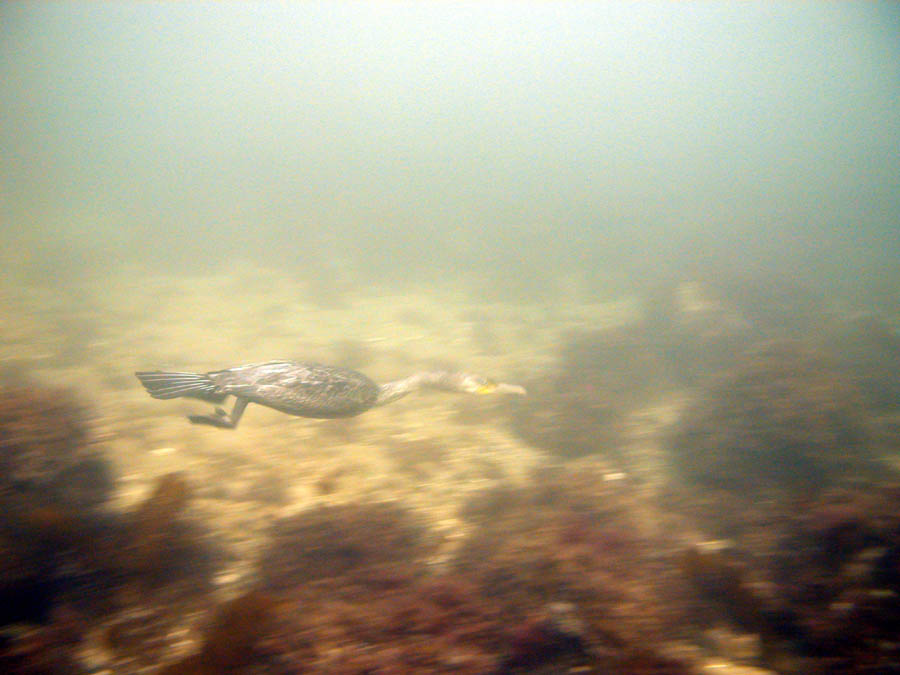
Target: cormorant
304	389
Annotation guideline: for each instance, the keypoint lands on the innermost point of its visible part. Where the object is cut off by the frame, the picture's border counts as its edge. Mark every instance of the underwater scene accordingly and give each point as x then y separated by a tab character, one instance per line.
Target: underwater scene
474	338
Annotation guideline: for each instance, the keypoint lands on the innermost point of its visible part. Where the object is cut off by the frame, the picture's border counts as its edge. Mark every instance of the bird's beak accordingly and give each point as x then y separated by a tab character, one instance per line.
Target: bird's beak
504	388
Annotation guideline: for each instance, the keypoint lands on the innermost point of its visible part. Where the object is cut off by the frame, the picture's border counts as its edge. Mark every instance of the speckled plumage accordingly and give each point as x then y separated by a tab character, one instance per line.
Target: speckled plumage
304	389
293	387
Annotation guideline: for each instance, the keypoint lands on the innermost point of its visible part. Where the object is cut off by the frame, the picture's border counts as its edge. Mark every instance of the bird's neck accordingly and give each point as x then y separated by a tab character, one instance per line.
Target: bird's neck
431	379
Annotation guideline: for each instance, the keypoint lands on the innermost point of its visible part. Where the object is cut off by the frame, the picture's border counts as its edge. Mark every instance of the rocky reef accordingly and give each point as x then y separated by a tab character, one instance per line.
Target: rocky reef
45	452
580	408
867	350
818	585
66	559
782	418
771	538
548	580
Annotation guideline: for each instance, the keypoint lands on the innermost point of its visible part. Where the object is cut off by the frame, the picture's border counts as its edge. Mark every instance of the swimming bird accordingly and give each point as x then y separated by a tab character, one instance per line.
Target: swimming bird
304	389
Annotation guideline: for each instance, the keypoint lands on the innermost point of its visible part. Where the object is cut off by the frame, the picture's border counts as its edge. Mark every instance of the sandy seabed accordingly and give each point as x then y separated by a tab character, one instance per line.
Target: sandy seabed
430	451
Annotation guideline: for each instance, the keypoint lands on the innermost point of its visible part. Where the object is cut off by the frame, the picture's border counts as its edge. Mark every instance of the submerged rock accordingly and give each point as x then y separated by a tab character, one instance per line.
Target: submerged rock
783	418
44	450
581	407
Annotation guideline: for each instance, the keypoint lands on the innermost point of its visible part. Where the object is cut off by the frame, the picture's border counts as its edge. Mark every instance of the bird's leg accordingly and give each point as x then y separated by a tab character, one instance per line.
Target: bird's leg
221	418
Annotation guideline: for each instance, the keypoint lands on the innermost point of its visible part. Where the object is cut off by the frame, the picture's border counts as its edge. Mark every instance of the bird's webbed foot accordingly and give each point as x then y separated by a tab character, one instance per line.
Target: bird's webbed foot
220	419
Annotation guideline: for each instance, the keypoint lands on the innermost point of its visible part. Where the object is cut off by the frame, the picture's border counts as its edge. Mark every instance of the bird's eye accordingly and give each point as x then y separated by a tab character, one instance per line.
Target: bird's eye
486	387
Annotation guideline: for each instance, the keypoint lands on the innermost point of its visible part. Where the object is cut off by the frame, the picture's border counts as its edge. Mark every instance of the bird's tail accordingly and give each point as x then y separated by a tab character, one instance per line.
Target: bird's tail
175	385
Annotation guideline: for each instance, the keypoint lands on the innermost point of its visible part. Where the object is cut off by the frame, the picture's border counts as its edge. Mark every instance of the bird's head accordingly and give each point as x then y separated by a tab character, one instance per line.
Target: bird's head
477	384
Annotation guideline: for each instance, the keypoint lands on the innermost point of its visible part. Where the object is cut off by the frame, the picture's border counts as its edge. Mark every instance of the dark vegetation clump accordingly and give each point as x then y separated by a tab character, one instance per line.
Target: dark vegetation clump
403	625
782	419
66	561
47	649
151	531
696	333
157	543
139	572
730	589
779	453
690	334
234	641
867	350
342	541
355	595
702	328
581	408
575	573
840	571
776	306
51	482
819	584
547	581
45	455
